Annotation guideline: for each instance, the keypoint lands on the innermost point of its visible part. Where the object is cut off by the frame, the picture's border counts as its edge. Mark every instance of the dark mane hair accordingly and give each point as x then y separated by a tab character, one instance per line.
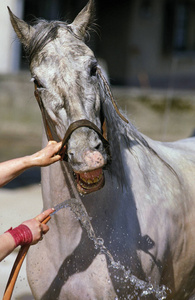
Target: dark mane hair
44	34
123	132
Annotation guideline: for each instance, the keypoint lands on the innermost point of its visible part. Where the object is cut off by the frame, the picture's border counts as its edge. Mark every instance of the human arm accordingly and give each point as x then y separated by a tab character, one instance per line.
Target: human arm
12	168
8	242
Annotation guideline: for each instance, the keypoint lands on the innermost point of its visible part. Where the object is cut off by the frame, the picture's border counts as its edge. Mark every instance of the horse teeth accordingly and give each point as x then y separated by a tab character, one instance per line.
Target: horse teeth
85	186
91	181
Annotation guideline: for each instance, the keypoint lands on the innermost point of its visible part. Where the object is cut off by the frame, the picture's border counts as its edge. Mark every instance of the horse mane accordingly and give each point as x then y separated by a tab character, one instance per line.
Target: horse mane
123	133
47	31
113	116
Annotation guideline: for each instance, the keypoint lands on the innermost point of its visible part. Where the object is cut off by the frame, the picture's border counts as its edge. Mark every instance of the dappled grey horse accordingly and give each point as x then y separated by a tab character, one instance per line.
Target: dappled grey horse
138	193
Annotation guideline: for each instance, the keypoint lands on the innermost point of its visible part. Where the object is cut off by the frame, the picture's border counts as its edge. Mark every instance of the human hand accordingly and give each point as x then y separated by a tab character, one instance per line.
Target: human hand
31	231
47	155
36	227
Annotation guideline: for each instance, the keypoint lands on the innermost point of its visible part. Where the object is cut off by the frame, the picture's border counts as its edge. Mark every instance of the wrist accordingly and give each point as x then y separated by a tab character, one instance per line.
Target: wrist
22	235
34	160
30	161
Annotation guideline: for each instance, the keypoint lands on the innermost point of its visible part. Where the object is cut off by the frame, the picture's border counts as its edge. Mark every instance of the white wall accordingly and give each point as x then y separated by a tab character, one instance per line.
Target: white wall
9	45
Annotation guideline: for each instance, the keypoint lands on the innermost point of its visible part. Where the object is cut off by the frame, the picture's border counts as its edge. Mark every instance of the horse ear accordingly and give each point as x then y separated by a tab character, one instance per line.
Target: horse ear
84	19
22	29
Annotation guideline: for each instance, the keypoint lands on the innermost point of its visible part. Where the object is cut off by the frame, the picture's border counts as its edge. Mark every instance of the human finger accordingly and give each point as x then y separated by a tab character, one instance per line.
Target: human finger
54	145
44	214
55	158
44	228
62	152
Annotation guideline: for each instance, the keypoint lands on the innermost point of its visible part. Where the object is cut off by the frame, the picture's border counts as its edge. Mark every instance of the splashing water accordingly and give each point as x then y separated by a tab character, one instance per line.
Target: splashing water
139	286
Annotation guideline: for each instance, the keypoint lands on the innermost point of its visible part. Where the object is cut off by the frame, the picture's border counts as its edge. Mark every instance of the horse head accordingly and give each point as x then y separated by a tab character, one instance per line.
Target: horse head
64	71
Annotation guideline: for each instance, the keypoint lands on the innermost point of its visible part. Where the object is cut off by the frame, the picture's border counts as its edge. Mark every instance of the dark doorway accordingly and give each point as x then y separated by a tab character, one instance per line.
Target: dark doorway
109	40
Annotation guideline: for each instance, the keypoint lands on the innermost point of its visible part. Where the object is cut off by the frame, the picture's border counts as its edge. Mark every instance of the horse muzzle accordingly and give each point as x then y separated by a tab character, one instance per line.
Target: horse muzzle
90	178
83	123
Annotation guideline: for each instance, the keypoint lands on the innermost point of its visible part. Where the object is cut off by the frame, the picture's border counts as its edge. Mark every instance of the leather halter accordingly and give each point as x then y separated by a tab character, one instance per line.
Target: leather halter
78	124
73	126
46	124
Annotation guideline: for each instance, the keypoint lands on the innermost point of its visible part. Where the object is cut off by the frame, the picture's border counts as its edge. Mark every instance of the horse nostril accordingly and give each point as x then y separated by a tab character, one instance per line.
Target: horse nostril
98	147
71	154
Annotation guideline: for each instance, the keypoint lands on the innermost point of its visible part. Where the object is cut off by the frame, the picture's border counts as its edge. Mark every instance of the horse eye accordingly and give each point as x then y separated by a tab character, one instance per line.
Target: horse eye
93	70
38	84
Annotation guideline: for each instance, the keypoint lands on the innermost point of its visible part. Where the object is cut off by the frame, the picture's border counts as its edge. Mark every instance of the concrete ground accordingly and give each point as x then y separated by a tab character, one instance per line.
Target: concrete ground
17	205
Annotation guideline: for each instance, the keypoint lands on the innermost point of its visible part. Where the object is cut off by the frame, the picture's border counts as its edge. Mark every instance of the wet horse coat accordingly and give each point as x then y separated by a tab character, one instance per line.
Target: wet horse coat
145	212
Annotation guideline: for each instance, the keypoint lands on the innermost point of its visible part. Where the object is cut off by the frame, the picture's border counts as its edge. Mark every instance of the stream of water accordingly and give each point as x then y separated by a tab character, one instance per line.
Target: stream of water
140	287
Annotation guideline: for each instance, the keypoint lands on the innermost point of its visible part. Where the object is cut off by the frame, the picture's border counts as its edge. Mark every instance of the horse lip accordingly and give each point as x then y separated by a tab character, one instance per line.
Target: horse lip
90	181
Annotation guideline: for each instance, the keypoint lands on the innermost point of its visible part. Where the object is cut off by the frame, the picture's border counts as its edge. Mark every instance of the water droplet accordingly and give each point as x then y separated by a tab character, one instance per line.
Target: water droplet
138	285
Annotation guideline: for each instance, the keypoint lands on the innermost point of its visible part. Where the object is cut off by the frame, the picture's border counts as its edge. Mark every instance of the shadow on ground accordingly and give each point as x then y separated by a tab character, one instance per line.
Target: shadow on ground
29	177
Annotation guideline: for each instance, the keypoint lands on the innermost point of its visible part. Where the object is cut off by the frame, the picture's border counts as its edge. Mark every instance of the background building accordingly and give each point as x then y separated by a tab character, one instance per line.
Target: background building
145	43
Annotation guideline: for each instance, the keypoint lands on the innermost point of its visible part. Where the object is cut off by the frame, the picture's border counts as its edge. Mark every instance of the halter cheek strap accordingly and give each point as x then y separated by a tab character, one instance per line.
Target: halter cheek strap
47	128
110	95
